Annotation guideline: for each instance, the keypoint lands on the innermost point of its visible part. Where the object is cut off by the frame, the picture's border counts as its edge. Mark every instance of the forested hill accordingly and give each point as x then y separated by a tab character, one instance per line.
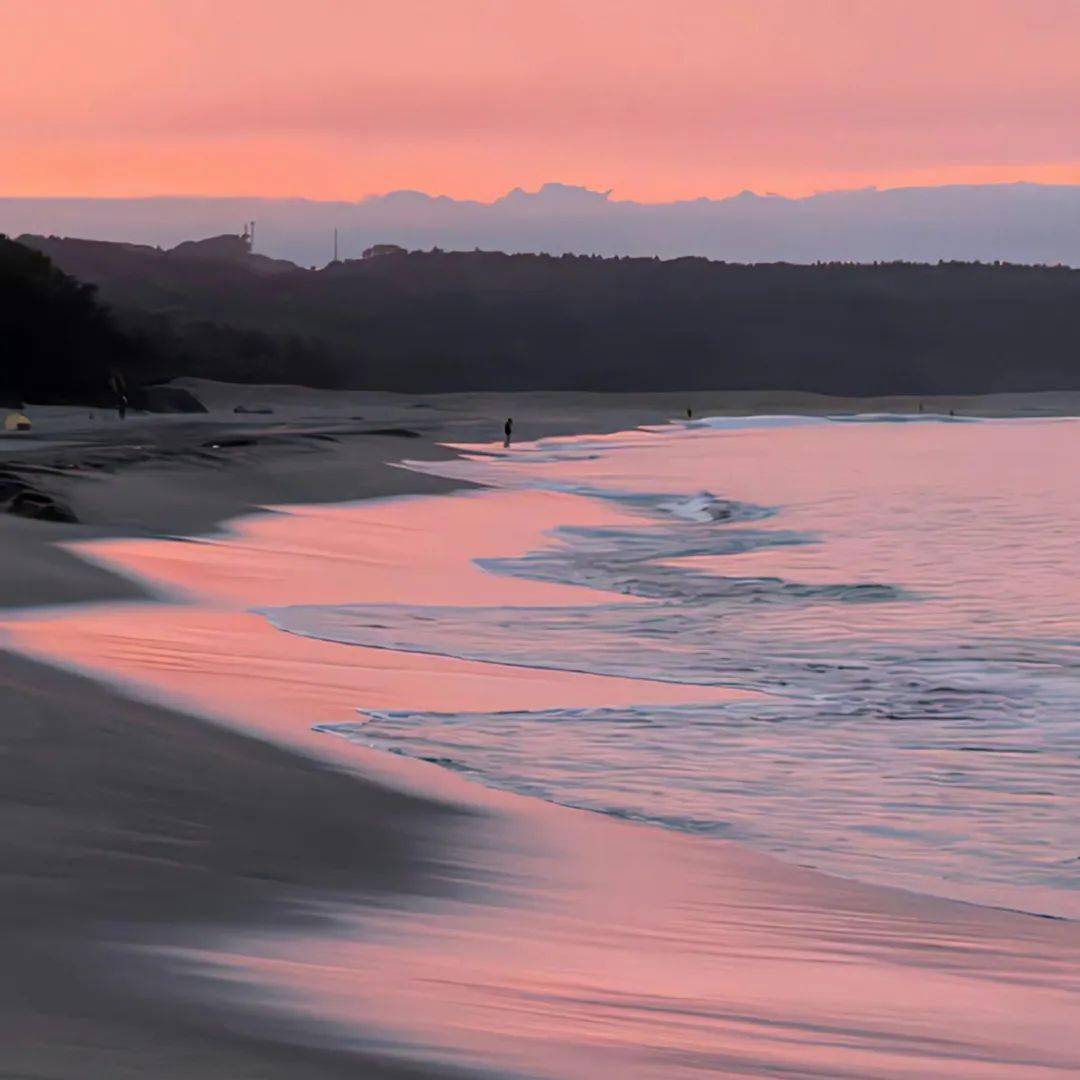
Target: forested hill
57	342
419	321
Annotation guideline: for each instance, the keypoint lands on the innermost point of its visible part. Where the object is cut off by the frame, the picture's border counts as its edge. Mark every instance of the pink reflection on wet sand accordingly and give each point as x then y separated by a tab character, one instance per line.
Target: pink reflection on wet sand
622	951
610	950
234	666
407	551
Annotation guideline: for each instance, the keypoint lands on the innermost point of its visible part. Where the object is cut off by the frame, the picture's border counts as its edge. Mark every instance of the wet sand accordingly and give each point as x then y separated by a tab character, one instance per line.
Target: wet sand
253	898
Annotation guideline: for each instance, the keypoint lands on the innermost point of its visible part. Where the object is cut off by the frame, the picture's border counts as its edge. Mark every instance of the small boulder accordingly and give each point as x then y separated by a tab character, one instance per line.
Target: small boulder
41	507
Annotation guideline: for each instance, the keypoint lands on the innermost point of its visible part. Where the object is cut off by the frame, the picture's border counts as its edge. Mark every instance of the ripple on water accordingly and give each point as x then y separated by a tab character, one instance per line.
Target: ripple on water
910	610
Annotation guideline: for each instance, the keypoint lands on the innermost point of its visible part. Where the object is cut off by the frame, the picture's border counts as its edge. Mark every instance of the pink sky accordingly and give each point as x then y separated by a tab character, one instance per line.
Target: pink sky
342	98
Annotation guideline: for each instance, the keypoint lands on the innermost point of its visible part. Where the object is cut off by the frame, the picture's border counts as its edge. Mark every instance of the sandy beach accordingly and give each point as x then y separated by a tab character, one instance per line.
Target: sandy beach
198	884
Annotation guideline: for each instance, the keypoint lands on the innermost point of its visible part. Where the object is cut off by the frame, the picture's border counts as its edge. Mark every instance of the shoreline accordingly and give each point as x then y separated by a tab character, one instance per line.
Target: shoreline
164	833
409	862
153	476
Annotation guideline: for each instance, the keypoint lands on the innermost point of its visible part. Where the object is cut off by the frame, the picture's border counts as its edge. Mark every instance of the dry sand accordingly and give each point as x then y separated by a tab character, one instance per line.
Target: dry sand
123	820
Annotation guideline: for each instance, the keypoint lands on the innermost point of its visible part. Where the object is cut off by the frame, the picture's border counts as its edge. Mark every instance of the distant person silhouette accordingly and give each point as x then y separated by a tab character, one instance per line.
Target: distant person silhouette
689	414
508	430
118	385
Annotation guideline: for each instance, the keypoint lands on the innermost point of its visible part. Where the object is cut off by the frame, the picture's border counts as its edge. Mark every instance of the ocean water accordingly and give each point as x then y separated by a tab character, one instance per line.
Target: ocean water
901	592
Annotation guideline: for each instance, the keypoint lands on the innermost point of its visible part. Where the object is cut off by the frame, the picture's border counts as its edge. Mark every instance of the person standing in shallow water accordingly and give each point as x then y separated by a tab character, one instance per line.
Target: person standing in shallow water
508	430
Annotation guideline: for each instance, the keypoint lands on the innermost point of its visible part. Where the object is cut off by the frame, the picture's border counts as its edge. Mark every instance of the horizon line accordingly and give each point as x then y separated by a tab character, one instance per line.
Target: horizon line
602	195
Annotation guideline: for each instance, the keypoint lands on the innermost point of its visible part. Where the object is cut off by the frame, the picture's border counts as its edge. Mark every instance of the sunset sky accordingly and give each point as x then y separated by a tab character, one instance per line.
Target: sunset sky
657	100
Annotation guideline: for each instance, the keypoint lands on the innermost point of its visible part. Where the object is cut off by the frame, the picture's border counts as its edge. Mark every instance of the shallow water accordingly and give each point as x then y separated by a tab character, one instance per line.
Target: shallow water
903	593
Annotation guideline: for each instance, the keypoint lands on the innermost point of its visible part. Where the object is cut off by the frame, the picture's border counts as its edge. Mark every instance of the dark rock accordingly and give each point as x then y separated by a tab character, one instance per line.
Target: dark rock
230	444
10	486
40	506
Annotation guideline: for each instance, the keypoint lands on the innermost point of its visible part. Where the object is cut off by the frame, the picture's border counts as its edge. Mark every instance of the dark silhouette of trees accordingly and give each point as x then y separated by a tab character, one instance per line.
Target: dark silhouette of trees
57	343
425	321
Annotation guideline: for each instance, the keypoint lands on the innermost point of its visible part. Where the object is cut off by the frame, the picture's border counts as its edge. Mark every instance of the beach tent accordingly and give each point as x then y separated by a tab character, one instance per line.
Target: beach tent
16	421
